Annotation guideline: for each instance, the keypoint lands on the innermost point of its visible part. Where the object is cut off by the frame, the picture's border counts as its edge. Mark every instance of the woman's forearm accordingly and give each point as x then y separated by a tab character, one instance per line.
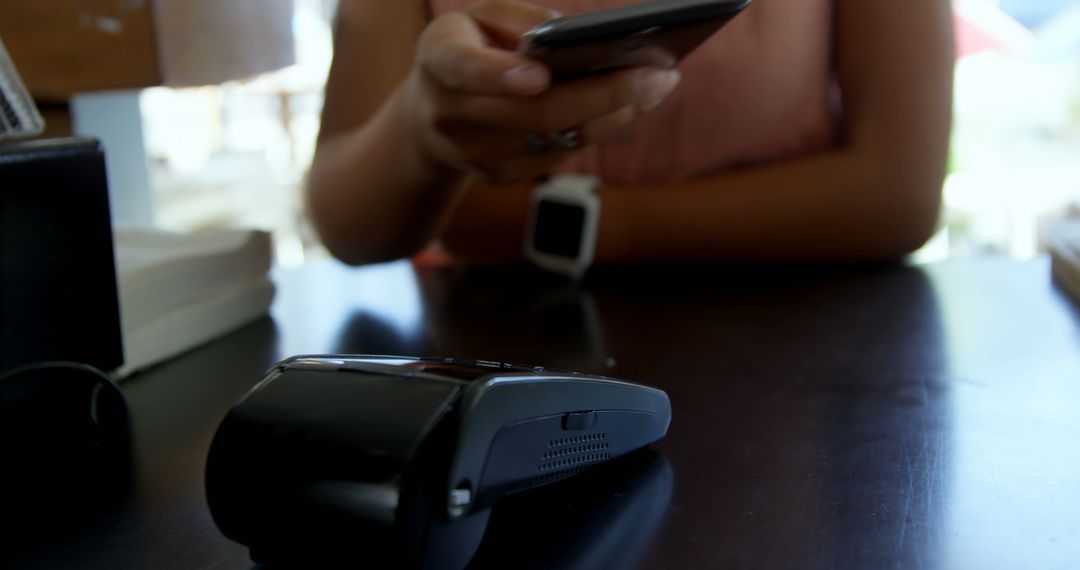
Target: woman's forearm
838	205
835	206
374	194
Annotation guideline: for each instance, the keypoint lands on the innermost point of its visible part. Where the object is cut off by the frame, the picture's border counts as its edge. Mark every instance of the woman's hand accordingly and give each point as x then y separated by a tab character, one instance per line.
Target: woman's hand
414	108
474	104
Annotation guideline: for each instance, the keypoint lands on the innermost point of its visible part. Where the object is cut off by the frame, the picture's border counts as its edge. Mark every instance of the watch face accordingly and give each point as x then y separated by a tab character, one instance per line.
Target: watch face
558	229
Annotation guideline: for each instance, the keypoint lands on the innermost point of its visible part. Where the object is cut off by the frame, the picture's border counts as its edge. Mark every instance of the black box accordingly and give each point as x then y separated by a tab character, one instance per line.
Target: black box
58	294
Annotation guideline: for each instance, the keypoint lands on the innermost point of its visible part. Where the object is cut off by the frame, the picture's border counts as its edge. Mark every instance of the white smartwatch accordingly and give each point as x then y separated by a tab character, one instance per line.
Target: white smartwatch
564	216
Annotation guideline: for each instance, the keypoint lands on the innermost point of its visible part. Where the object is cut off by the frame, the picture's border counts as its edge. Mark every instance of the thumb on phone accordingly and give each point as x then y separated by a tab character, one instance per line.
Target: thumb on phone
474	51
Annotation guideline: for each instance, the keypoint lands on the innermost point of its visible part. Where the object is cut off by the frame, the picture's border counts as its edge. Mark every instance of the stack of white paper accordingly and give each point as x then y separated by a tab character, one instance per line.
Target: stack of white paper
1064	244
179	291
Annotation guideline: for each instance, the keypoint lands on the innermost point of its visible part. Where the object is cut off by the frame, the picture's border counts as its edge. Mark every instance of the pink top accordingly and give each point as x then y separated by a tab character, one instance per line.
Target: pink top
758	90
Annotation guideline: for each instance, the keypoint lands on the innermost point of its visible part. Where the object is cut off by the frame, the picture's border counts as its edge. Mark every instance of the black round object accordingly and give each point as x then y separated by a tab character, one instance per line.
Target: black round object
65	443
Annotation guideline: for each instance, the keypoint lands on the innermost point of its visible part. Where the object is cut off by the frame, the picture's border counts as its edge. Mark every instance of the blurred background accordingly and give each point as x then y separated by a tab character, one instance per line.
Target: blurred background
234	153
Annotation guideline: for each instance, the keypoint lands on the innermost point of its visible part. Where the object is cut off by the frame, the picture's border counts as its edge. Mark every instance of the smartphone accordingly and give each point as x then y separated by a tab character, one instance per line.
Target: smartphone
658	32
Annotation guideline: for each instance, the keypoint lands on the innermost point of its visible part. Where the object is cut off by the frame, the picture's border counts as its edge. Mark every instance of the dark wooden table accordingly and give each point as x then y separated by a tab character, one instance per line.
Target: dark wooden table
866	417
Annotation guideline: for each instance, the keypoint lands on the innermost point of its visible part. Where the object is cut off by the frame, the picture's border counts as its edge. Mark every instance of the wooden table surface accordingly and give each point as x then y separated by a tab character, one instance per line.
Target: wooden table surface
840	417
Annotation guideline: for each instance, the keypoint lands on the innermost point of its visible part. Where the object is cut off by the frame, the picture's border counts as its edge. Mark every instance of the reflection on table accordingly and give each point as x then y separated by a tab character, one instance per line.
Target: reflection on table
865	417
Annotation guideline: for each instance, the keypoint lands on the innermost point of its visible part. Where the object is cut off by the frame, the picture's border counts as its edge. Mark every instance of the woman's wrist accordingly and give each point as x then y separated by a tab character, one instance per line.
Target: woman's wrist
404	123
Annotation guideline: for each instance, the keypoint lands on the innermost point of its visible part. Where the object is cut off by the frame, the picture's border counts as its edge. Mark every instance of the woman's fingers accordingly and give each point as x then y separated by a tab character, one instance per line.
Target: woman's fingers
454	52
514	171
457	50
505	21
566	106
503	157
480	144
484	107
603	127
